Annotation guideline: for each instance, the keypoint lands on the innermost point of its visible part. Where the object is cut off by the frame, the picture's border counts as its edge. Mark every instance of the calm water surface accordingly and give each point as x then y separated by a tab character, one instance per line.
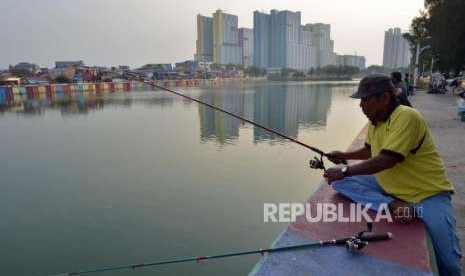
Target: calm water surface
92	181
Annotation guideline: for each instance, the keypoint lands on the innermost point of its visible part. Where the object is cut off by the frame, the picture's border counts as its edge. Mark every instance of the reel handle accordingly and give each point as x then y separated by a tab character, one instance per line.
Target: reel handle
369	236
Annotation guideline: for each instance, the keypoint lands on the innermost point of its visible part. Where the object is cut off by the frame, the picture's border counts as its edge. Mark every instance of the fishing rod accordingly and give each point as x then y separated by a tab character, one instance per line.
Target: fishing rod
315	163
352	244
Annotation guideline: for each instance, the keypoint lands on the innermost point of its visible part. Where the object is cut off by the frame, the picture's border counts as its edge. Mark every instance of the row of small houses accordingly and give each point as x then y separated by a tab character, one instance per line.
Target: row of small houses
103	87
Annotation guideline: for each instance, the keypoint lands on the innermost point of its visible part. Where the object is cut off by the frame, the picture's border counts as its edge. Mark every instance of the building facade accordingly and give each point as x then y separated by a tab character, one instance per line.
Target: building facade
261	36
67	64
226	48
246	43
24	68
280	41
324	45
204	43
396	49
351	60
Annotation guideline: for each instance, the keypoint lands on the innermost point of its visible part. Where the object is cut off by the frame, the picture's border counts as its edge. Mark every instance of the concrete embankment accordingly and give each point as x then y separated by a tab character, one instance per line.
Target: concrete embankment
440	111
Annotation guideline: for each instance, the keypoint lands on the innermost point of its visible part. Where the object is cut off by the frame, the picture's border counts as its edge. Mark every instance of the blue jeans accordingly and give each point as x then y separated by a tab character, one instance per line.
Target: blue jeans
437	215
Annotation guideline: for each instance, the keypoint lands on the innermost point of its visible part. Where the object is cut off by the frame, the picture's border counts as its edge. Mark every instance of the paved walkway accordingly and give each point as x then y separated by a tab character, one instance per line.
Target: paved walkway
440	110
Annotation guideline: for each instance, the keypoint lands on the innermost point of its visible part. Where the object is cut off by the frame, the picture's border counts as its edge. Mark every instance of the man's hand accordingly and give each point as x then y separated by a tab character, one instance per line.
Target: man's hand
337	157
333	174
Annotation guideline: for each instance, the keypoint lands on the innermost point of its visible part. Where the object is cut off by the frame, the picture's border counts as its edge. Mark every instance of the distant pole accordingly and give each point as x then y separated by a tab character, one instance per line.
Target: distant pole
415	71
432	66
417	61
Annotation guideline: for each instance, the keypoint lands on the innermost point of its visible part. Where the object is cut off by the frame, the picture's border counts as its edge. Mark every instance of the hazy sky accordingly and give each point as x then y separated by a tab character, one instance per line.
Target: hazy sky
136	32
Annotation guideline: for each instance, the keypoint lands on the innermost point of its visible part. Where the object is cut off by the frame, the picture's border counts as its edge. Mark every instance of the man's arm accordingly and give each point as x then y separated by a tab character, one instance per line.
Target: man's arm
360	154
338	157
373	165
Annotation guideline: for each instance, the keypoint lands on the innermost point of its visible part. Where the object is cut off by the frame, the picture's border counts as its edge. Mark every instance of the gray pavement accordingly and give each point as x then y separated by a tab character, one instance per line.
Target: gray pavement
440	111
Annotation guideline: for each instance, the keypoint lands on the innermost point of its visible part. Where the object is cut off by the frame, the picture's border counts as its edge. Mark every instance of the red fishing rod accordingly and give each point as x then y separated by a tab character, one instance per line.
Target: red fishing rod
316	163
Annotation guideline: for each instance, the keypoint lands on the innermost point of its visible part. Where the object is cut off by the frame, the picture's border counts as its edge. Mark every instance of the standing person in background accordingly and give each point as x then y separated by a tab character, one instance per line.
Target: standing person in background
399	89
407	85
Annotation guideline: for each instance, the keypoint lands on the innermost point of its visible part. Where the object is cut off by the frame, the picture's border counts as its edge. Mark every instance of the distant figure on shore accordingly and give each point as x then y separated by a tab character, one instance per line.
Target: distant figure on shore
399	89
407	85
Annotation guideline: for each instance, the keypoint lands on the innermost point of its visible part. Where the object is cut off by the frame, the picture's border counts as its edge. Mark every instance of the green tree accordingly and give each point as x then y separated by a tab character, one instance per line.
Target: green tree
285	72
298	75
443	21
340	71
255	71
62	79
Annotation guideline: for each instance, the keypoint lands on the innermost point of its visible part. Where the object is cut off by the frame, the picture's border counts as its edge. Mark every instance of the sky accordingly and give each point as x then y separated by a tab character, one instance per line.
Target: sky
137	32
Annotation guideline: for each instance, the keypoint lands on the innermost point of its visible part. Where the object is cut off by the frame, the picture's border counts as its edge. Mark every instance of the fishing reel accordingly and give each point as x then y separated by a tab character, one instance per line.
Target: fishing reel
360	241
355	244
317	163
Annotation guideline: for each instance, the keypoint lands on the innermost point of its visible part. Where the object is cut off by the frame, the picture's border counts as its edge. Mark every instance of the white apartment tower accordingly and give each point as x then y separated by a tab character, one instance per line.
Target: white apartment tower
396	49
324	45
226	47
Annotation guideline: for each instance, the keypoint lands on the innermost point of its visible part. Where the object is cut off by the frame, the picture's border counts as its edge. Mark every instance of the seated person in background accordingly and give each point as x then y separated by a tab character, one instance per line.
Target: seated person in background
399	90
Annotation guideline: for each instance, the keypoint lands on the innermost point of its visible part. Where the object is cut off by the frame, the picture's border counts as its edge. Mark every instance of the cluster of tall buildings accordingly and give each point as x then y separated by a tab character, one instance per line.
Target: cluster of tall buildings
396	49
219	40
277	40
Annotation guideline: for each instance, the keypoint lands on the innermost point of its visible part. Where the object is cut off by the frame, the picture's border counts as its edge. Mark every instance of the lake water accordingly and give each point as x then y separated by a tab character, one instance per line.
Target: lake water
91	181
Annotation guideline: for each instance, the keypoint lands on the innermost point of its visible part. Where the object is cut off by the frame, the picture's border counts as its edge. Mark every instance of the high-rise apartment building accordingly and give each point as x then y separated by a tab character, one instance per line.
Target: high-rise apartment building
226	48
204	43
323	44
281	41
396	49
351	60
246	43
261	37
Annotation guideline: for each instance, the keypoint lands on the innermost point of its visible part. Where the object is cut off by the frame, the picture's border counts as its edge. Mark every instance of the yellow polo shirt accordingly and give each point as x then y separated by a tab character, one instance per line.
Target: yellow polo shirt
421	173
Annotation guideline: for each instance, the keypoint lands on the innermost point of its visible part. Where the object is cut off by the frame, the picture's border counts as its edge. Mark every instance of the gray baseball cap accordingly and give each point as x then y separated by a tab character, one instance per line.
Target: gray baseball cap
373	84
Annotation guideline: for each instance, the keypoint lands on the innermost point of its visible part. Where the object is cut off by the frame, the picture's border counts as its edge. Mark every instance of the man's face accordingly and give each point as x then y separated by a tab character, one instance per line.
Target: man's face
374	106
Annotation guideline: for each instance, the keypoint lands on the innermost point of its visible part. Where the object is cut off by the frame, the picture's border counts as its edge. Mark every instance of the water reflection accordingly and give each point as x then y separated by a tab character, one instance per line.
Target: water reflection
215	125
283	107
79	104
286	108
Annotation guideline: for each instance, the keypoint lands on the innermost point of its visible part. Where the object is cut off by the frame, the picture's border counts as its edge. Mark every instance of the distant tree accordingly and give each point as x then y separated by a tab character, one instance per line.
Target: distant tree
334	70
442	21
216	66
230	66
298	74
62	79
375	69
255	71
330	70
285	72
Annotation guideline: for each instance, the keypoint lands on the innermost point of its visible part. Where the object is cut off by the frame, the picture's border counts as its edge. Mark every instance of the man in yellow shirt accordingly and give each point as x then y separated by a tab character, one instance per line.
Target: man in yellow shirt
401	167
